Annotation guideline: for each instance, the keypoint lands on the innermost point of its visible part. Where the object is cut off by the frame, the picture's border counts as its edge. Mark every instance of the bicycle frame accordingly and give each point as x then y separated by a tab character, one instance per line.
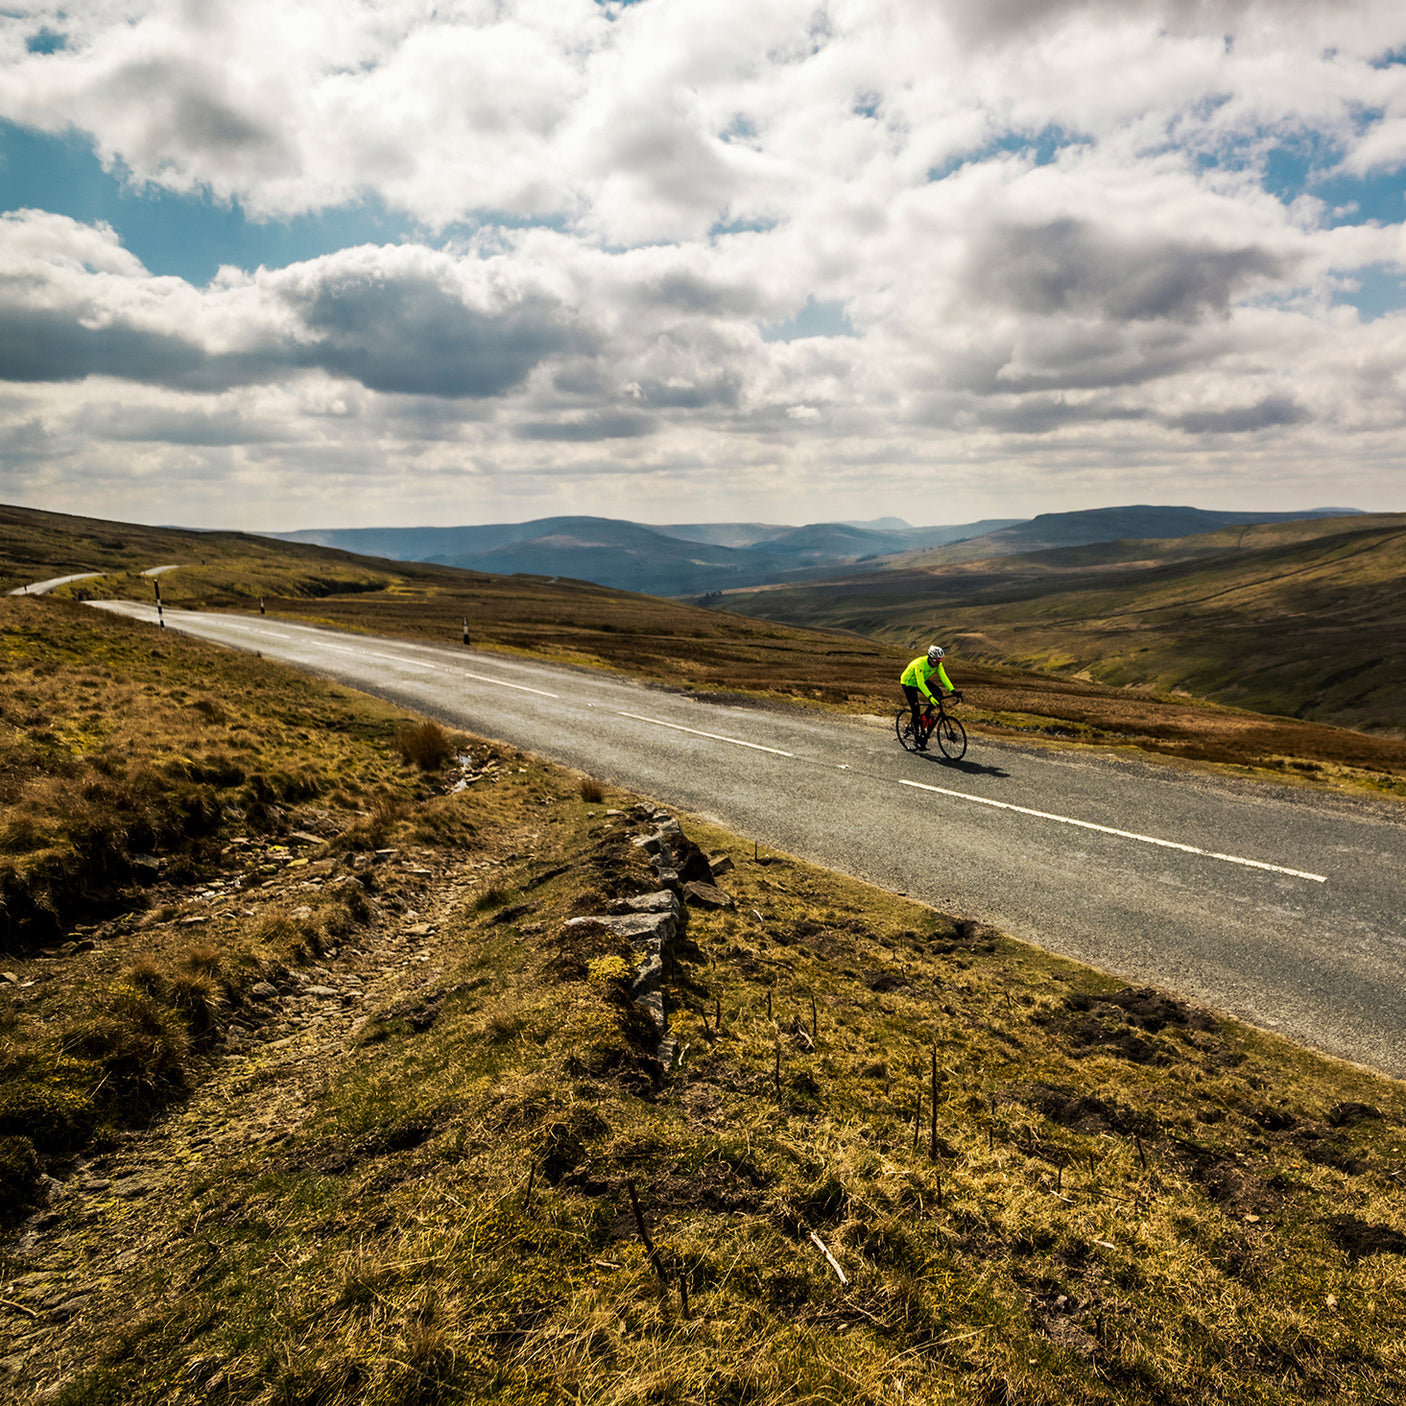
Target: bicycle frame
933	719
932	714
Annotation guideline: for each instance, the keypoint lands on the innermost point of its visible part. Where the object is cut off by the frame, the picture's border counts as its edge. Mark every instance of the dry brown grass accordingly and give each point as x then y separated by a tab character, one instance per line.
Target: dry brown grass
425	745
115	765
1131	1200
125	789
213	566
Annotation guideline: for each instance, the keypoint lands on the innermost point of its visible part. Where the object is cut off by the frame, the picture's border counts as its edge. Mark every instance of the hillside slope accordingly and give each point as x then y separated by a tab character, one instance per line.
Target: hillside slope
36	545
1304	619
1142	522
350	1100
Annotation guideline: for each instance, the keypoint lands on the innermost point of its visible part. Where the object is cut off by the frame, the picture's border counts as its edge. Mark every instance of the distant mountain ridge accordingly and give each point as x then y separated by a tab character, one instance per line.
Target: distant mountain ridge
898	535
1135	523
692	559
695	559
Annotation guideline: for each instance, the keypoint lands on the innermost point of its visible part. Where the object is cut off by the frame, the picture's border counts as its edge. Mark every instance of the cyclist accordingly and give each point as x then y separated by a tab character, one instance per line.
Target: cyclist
915	686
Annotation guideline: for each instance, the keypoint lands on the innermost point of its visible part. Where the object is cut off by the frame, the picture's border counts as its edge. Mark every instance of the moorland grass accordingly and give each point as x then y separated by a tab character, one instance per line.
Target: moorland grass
124	752
36	546
136	769
1039	1184
1113	1198
425	744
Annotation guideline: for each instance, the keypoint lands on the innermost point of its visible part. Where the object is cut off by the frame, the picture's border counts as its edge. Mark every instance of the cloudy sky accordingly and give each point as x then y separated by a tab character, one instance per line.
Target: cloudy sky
297	263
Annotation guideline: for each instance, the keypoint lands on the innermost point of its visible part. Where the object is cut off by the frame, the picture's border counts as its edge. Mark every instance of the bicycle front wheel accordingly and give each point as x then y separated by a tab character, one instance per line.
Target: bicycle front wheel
952	738
903	726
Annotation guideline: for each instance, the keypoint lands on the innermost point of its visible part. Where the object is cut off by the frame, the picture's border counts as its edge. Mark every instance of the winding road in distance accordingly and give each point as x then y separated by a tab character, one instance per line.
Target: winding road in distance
1281	906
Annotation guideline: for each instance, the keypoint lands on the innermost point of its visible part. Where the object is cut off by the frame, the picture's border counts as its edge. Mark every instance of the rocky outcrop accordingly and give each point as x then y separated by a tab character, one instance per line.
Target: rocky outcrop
654	920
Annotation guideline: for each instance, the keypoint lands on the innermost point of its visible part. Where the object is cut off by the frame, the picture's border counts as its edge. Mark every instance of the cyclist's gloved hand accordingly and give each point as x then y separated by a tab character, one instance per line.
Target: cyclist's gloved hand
956	695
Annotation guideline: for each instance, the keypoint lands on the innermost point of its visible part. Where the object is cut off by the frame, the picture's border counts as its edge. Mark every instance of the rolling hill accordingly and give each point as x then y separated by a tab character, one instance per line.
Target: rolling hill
1300	618
35	545
691	559
1137	522
699	558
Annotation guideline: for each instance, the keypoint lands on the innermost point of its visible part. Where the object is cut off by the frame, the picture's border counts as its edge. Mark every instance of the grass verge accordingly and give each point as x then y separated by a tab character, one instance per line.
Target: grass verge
1038	1184
180	827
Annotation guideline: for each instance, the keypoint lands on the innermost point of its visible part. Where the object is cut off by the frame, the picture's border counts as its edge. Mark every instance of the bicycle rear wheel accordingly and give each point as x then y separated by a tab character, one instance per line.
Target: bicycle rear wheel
903	726
952	738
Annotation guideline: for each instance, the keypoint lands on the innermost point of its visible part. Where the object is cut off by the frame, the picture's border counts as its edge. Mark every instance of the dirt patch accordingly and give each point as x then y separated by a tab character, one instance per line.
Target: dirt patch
1299	1136
717	1187
419	1015
823	944
824	941
967	936
1133	1024
1349	1115
888	979
1154	1010
562	1146
1095	1036
335	1156
1357	1238
1228	1181
1083	1112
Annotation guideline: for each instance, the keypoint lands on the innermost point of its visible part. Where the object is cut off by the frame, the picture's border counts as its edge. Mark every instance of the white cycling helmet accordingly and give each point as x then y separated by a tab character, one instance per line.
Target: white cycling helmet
935	653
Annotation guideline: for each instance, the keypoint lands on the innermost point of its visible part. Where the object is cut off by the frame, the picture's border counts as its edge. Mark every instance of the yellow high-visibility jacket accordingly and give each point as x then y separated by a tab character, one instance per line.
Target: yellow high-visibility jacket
917	674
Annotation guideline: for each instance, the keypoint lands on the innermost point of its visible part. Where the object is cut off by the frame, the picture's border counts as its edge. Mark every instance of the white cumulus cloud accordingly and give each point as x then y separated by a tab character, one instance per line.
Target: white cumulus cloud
781	250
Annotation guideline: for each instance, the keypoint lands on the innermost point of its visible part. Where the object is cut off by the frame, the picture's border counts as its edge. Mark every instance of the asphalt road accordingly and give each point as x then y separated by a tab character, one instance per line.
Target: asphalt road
1281	906
42	588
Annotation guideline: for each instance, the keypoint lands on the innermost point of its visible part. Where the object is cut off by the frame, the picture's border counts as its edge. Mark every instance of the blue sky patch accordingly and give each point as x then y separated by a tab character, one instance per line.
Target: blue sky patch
814	320
760	226
1381	289
1307	164
1357	200
1042	147
46	42
189	237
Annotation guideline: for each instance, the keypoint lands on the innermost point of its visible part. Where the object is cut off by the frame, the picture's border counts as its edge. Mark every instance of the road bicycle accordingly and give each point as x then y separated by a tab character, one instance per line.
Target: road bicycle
935	722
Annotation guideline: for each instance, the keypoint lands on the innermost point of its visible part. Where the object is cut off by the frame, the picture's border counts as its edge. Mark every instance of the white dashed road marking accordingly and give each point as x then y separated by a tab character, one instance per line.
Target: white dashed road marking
503	683
1122	834
716	737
